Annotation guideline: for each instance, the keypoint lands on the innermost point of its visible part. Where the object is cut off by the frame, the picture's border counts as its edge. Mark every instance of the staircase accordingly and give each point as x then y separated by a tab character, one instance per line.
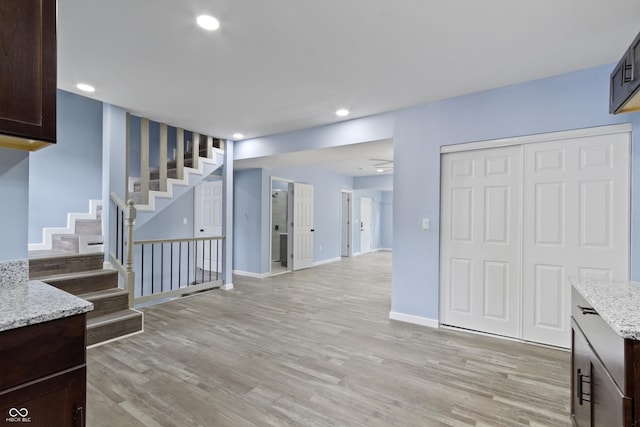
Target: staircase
83	275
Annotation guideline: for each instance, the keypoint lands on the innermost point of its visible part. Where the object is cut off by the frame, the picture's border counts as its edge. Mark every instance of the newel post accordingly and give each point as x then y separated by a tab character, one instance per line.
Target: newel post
130	218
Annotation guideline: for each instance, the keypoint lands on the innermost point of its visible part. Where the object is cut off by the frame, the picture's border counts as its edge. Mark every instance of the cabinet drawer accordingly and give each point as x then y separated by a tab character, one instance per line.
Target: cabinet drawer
38	350
605	341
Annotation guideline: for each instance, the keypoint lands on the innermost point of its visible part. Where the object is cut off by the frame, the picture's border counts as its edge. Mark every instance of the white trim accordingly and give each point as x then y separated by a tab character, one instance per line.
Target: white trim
326	261
356	254
227	286
416	320
382	250
106	265
250	274
48	232
542	137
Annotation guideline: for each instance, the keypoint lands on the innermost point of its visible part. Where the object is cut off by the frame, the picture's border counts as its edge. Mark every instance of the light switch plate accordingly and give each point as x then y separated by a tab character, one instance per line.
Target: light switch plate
426	223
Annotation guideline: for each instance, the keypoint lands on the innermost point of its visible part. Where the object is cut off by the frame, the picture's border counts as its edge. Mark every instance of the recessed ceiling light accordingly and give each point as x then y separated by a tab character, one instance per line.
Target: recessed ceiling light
380	170
238	135
208	22
342	112
85	87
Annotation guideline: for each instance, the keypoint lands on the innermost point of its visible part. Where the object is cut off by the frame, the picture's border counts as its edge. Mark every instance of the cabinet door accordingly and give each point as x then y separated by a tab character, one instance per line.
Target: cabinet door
28	69
580	379
609	406
57	400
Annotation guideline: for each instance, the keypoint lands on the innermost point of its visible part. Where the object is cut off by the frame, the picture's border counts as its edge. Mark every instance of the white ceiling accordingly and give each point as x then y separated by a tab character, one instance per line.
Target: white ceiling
281	65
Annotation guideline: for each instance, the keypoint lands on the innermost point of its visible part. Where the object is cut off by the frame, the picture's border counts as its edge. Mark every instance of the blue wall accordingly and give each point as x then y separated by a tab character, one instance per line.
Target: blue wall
65	176
247	220
570	101
168	223
14	193
386	220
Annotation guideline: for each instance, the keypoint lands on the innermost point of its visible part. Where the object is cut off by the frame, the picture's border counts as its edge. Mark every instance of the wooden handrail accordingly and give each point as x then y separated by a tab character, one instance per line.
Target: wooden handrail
190	239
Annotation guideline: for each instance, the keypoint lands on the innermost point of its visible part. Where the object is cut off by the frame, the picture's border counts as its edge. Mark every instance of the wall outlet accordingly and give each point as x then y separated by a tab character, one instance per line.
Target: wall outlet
426	223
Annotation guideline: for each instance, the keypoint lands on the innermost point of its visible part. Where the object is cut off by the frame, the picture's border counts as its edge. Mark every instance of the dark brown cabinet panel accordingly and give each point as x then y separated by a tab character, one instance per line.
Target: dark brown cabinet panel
28	73
605	371
43	373
625	81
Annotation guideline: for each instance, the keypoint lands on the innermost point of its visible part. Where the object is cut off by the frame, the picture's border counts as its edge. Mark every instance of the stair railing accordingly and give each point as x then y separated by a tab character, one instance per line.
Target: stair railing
169	268
121	252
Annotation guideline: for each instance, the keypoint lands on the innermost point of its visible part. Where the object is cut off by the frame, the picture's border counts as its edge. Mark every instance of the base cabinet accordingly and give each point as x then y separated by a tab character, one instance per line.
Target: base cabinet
604	381
43	374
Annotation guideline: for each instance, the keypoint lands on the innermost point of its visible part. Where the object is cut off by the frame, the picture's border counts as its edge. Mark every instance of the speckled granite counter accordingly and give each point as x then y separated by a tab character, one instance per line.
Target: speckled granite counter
36	302
617	302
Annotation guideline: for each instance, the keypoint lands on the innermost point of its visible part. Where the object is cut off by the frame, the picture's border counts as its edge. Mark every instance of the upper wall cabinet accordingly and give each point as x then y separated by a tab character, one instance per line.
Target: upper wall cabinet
625	81
27	73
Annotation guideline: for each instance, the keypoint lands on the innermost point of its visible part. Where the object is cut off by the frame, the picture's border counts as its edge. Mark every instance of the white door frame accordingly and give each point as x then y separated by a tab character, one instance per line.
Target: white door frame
288	181
197	231
349	224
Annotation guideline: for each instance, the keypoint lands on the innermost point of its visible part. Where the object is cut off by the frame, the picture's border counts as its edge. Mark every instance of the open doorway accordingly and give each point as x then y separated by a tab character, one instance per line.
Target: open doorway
279	233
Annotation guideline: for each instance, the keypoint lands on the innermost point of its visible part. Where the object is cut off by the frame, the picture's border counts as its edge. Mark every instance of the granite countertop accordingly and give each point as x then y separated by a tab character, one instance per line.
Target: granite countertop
36	302
617	302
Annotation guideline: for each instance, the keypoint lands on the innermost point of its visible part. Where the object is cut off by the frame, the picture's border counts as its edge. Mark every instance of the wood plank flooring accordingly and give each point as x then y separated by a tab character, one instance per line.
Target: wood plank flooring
316	348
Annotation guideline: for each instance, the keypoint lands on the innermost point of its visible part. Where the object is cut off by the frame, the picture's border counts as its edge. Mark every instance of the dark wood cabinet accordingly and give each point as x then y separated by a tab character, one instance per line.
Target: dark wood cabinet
604	381
625	81
43	373
28	73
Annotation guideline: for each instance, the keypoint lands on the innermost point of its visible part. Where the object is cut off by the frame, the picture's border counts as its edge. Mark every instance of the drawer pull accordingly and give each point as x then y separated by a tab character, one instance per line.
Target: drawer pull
581	380
587	310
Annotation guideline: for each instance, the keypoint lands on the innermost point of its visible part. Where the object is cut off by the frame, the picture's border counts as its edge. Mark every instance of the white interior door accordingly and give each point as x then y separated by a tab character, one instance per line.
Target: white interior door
345	224
208	223
576	223
365	224
302	230
480	240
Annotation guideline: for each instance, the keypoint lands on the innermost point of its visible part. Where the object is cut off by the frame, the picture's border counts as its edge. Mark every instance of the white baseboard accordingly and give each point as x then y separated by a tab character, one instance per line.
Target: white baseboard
356	254
227	286
383	250
417	320
326	261
250	274
108	266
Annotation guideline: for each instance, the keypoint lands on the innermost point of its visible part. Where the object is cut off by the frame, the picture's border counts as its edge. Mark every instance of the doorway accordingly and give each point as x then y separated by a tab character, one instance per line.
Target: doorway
208	222
365	224
279	235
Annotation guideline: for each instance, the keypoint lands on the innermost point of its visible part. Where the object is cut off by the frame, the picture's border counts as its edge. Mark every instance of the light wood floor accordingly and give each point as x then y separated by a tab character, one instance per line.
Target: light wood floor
316	348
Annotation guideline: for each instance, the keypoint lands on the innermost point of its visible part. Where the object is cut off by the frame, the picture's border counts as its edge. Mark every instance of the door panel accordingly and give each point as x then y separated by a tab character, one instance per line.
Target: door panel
208	223
570	226
303	230
365	224
480	240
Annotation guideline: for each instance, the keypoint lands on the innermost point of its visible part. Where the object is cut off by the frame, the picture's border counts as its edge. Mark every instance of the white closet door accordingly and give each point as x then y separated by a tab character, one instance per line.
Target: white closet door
576	223
480	240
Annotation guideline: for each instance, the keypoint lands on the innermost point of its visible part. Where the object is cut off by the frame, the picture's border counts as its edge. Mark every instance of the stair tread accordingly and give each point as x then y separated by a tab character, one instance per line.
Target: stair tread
113	317
79	274
43	256
105	293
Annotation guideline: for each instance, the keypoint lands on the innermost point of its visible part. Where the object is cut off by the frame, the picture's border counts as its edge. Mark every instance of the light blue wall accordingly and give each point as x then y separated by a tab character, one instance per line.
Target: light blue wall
569	101
247	220
168	224
14	193
378	182
65	176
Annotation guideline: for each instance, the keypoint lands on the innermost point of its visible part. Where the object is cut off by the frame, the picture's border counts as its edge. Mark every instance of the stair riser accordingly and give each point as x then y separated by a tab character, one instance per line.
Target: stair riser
81	285
91	227
108	305
118	328
42	267
66	243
